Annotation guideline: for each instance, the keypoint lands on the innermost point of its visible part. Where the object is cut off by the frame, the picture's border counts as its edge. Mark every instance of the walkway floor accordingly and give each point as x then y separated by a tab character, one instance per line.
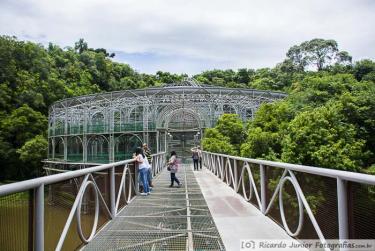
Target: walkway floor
168	219
235	218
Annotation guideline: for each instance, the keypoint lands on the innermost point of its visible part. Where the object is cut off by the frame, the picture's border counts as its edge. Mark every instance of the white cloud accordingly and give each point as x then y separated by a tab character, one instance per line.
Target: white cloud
195	35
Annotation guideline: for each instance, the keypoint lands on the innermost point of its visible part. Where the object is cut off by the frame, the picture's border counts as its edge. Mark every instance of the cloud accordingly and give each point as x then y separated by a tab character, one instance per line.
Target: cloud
191	36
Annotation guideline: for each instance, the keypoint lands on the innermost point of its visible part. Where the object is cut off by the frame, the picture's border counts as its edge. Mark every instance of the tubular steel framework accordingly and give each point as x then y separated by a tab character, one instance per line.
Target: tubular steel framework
101	128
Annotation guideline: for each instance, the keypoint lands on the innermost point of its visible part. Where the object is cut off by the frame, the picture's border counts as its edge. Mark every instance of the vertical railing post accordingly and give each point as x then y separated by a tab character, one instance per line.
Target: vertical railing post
235	183
39	218
31	219
157	142
136	178
263	188
112	192
342	207
222	168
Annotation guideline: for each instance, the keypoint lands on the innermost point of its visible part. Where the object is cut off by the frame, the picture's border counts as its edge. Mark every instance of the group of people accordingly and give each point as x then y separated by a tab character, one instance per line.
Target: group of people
143	158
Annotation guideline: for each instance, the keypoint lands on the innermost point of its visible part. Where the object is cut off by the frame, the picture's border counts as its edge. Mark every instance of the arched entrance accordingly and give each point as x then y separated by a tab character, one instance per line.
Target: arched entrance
184	129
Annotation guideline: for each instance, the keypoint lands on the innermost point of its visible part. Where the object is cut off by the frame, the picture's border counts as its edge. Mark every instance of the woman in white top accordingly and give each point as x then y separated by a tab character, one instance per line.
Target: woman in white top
142	169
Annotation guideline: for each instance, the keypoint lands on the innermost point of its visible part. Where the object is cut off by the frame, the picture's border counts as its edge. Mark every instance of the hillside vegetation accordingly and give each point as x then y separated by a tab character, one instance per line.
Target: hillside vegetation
327	120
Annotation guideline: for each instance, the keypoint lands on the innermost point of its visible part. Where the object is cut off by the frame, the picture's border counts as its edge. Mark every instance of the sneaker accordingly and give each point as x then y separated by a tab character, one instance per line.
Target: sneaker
171	186
143	194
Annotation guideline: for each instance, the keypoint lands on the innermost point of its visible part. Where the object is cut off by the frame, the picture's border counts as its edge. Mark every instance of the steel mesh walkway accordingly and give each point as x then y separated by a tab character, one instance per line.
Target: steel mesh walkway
168	219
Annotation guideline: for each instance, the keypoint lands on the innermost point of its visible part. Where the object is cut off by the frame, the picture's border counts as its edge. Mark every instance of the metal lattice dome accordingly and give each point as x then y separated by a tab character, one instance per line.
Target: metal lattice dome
107	127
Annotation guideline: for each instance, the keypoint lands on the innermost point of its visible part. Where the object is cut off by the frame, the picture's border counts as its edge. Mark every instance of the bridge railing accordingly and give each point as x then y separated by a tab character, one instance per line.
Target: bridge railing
327	202
118	189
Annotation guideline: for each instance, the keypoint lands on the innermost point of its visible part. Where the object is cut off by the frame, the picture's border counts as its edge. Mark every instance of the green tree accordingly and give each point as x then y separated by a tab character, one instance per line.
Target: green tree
260	144
316	89
32	153
167	78
22	125
321	137
81	46
359	111
318	53
214	141
231	126
267	130
363	68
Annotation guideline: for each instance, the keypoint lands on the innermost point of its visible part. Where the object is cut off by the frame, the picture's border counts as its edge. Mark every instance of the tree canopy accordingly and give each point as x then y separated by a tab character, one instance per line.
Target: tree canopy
329	112
318	53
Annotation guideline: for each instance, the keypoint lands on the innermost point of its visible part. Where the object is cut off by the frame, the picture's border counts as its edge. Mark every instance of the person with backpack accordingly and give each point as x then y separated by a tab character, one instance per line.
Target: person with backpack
173	168
195	156
143	167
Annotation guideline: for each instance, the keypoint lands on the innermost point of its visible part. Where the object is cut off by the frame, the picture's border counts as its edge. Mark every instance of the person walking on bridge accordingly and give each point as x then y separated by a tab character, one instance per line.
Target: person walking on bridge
143	167
195	156
173	168
200	157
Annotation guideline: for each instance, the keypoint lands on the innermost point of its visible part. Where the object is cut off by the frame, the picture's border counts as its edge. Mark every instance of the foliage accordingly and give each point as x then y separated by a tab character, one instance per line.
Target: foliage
22	125
231	126
32	152
316	89
322	138
267	130
260	144
32	77
214	141
329	113
364	69
318	53
328	120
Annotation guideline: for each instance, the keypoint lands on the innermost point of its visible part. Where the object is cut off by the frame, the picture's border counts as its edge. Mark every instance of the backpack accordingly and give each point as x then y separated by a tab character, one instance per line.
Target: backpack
195	156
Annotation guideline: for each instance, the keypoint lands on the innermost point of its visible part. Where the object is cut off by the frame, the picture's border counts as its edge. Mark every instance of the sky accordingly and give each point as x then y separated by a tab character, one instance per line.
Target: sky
193	35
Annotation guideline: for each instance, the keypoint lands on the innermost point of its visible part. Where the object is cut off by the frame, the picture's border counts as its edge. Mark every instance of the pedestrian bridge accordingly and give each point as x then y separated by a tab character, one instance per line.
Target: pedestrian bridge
230	202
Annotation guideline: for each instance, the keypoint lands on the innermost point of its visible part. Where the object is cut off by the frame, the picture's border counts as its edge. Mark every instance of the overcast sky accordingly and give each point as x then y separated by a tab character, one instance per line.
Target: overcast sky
194	35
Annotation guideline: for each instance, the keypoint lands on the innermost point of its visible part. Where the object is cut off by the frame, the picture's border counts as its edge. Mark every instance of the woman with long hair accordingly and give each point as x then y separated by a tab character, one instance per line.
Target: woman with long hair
173	166
143	166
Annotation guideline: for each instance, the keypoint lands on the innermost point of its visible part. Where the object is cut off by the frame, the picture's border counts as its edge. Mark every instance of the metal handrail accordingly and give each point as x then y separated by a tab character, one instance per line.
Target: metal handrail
332	173
50	179
112	208
221	166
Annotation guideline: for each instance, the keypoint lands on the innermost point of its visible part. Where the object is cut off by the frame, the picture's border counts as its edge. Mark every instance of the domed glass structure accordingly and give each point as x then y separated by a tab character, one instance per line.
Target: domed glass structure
107	127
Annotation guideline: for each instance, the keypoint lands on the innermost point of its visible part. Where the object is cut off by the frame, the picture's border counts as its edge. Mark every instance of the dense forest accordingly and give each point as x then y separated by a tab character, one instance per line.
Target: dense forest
327	120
